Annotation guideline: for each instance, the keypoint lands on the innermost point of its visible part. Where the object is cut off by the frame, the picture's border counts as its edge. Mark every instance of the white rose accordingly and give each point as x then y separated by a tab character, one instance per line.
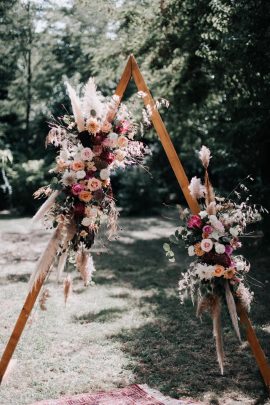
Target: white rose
113	136
215	235
91	211
234	232
64	154
80	174
240	266
86	221
219	248
191	251
104	174
203	214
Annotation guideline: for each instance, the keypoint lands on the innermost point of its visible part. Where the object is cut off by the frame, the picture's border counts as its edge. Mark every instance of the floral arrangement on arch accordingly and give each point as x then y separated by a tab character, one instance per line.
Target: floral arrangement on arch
91	144
212	237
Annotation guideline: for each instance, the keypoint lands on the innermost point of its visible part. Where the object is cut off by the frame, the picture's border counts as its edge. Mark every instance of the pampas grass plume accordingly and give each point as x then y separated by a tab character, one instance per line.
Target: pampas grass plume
205	156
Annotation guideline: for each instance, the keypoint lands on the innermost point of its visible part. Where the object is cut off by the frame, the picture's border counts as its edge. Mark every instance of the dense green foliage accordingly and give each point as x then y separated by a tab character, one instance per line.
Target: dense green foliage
210	59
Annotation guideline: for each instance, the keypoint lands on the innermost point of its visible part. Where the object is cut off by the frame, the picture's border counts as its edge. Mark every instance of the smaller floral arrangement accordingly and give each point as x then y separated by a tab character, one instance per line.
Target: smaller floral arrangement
212	237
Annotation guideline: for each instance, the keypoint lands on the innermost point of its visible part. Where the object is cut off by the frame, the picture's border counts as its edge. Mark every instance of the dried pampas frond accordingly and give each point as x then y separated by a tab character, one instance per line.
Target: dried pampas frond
43	299
209	191
217	332
45	207
61	265
196	188
92	105
46	260
232	309
85	265
211	303
205	156
211	209
76	107
67	287
112	224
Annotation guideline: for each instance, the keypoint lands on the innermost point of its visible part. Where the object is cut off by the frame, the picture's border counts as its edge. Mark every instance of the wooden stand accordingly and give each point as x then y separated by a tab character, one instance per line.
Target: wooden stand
132	70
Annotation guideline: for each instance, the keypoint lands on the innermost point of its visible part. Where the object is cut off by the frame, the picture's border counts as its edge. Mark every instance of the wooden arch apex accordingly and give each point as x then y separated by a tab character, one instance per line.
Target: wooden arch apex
132	70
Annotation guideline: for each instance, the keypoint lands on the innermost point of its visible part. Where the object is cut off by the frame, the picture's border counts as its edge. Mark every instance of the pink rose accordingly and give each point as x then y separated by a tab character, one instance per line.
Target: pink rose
76	189
228	249
108	143
206	245
194	222
207	229
87	154
94	184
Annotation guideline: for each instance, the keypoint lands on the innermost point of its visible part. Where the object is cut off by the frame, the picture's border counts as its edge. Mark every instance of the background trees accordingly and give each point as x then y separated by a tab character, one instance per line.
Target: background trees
210	59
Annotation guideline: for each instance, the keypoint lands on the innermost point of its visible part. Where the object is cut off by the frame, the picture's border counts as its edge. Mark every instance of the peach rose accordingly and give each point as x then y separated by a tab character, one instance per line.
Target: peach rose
106	127
94	184
219	271
77	165
229	273
122	142
198	250
61	165
92	126
85	196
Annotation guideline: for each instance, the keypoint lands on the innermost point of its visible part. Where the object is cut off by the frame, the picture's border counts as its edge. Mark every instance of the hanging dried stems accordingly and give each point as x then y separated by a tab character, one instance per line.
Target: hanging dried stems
85	266
67	287
47	258
44	298
212	304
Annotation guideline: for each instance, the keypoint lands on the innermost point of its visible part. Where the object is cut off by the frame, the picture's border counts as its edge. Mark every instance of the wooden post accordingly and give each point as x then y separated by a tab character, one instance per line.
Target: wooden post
132	70
48	256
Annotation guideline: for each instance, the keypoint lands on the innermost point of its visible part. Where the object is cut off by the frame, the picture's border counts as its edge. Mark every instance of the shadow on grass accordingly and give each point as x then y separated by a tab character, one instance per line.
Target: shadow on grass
105	315
176	353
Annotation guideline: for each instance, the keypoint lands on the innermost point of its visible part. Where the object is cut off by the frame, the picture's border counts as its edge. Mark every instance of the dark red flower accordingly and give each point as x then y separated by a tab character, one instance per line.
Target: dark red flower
79	209
107	156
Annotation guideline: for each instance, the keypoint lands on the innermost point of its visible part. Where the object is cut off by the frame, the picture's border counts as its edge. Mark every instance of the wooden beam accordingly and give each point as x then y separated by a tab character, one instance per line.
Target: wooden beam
29	303
124	80
164	138
255	346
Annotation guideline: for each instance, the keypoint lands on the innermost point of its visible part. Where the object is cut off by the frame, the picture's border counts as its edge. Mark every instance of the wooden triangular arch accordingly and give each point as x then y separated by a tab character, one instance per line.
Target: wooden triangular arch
132	71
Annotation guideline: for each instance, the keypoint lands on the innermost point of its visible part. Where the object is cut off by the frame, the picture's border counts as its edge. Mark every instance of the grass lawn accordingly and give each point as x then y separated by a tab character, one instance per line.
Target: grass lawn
127	328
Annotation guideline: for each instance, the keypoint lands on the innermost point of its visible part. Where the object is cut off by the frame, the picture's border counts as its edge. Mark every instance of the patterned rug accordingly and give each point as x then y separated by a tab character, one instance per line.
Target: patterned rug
132	395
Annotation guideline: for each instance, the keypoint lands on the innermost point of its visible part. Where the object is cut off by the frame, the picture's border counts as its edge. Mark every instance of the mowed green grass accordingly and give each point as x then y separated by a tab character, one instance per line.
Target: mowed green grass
127	328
